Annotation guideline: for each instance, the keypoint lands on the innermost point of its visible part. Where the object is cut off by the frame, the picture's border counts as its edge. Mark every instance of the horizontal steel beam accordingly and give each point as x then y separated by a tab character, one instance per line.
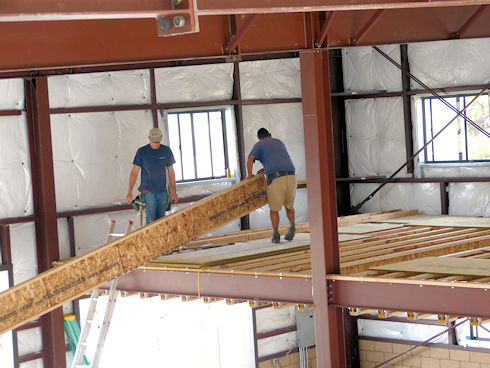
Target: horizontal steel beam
219	285
13	10
48	10
436	297
216	7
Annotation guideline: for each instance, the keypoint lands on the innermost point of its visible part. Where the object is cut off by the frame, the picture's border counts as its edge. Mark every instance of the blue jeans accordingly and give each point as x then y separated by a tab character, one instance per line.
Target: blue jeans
156	204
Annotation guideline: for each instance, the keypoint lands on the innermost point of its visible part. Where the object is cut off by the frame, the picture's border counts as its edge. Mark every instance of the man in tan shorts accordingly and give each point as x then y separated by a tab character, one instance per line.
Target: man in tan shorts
281	179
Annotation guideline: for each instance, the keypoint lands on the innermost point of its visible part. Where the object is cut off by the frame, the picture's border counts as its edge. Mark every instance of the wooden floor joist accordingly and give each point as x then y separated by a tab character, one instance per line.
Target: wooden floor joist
59	285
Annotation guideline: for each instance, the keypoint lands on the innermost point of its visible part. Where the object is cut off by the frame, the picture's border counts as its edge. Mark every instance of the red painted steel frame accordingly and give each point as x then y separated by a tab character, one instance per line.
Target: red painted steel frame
412	296
322	204
39	131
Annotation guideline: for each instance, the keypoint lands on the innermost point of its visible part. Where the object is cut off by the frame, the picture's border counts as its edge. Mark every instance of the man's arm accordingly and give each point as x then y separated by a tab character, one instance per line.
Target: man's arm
250	164
171	177
132	180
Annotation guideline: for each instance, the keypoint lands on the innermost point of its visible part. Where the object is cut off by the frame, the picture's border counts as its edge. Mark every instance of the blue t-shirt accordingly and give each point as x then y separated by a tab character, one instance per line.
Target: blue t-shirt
273	155
153	164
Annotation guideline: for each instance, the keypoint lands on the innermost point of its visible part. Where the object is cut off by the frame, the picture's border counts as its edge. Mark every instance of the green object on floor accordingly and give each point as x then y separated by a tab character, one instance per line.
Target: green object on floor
72	331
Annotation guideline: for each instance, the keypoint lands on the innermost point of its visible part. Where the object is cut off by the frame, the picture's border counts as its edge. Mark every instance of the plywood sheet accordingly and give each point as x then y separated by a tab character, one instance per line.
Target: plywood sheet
233	253
442	265
442	220
59	285
367	228
347	237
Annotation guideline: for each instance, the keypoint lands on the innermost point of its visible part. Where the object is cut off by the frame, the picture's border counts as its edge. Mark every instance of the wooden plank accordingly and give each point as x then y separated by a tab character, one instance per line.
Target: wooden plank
442	266
373	217
246	235
393	238
406	255
388	248
442	220
233	253
367	228
59	285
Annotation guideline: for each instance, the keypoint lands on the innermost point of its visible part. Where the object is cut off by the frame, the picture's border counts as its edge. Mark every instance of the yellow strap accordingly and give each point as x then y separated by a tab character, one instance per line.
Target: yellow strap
198	281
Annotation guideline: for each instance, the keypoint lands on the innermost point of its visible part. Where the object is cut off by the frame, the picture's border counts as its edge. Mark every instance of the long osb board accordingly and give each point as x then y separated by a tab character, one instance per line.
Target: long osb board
76	277
442	266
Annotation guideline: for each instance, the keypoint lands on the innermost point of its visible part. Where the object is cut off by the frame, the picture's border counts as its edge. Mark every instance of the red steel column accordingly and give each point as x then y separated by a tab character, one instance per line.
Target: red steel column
322	205
39	129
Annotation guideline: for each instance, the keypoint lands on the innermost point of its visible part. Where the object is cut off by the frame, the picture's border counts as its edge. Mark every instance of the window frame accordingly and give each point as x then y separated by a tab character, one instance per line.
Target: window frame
462	99
224	135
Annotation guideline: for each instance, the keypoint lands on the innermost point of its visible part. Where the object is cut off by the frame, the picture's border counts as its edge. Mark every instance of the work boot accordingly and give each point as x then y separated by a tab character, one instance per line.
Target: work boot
276	238
290	235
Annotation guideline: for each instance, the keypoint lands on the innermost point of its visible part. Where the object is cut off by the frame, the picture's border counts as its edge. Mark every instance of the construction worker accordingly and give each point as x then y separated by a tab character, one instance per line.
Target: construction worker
155	160
281	179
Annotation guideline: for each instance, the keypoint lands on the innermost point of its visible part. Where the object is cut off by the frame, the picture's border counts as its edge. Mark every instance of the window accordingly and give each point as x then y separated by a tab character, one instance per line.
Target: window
460	141
199	141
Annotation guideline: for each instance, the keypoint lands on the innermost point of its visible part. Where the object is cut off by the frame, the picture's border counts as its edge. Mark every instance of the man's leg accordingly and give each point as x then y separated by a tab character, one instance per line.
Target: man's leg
161	205
292	227
290	193
151	207
276	238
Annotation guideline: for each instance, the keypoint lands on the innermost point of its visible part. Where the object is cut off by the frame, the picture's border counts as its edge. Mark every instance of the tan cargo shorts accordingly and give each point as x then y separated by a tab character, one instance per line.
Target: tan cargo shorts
281	192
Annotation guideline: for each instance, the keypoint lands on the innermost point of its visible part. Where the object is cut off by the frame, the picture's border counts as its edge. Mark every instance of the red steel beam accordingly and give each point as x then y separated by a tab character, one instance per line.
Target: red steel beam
370	24
411	295
219	7
322	204
235	39
13	10
326	26
470	21
234	286
39	131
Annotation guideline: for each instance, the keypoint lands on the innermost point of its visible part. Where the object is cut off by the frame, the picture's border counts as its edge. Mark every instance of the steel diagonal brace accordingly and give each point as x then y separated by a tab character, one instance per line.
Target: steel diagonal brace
427	88
388	180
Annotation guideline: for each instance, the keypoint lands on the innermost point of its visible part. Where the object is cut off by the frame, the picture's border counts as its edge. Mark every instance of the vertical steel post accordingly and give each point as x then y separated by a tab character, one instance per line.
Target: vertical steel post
320	172
42	171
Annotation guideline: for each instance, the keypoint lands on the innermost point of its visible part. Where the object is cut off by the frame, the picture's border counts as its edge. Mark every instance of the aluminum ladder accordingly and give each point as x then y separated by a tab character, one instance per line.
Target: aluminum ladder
78	359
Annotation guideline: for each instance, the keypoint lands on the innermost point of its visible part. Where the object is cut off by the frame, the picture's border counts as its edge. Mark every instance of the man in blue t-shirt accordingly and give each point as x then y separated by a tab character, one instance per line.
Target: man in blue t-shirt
154	160
281	179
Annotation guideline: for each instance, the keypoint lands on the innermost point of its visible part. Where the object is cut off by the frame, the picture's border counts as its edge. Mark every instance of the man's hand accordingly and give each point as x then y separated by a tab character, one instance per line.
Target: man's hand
174	198
250	176
129	198
261	171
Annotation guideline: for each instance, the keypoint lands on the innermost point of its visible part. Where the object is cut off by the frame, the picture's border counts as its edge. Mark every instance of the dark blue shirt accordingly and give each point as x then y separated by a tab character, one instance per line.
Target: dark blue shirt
153	164
273	155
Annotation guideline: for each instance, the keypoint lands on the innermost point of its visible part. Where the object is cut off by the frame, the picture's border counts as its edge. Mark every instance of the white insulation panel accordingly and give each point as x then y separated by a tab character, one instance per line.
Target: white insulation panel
91	230
93	169
469	199
375	136
365	69
450	63
15	168
38	363
30	341
265	79
284	122
401	331
100	89
213	82
24	255
424	197
12	94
